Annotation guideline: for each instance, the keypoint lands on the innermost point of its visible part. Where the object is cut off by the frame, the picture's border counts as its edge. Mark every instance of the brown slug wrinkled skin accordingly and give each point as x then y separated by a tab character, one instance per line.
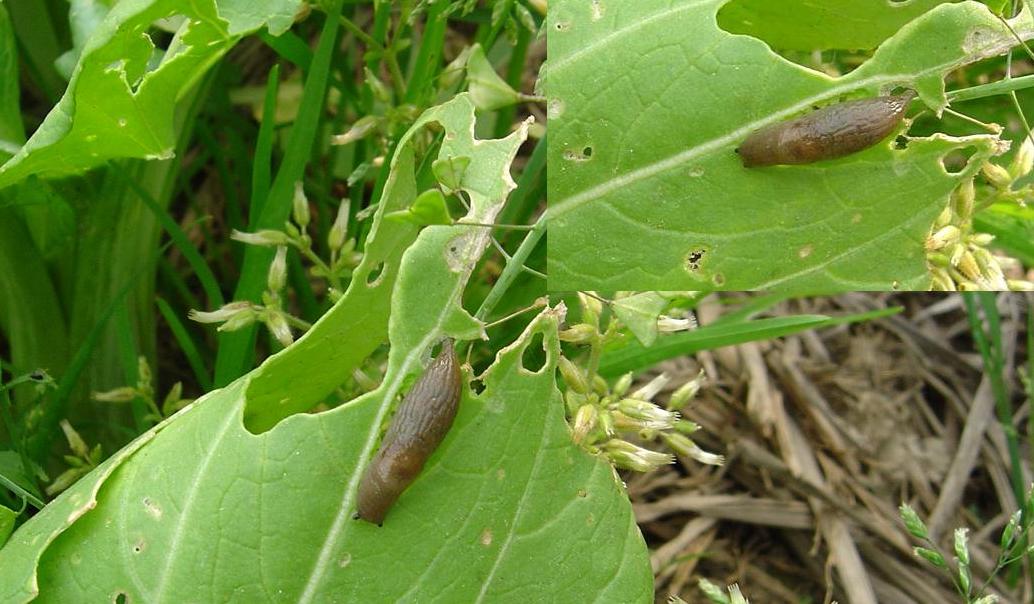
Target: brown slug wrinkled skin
419	425
826	133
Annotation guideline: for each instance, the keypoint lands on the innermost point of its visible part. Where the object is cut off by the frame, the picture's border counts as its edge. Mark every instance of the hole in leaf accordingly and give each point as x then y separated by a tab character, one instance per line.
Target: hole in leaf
955	161
786	33
578	155
534	357
695	259
373	279
121	598
901	142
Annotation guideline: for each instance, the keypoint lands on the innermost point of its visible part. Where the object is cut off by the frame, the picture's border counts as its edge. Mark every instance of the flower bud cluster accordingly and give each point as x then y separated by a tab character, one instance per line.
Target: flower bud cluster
613	422
343	260
959	258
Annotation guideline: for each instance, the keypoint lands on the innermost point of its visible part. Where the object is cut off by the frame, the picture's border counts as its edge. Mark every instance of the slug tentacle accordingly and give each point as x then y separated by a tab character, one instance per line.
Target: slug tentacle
827	133
419	426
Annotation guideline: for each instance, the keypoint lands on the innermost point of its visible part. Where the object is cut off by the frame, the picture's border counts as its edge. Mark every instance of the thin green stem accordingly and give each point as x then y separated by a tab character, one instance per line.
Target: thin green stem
513	268
992	89
359	33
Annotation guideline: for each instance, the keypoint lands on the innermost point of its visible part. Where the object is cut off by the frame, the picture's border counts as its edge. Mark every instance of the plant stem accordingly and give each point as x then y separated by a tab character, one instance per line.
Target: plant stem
513	268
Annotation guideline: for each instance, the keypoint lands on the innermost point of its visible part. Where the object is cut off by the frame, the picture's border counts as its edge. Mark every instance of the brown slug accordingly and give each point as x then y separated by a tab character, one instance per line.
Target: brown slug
419	425
826	133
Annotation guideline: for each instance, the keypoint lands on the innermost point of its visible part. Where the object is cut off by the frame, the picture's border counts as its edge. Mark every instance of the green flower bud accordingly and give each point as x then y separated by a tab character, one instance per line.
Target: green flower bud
362	128
582	333
633	457
277	277
116	395
943	237
996	175
650	390
584	422
573	376
913	524
75	442
265	238
338	231
300	206
622	385
931	556
592	308
1023	161
277	325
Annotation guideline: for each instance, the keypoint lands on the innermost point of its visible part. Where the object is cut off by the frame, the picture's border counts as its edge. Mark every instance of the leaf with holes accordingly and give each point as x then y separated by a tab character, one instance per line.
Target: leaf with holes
808	25
202	505
122	96
648	102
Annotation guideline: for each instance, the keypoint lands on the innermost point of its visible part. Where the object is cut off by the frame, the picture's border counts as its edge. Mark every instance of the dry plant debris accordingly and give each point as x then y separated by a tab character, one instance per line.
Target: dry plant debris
826	434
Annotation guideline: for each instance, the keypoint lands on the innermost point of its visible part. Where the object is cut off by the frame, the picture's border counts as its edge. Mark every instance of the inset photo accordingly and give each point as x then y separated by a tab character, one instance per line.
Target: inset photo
752	145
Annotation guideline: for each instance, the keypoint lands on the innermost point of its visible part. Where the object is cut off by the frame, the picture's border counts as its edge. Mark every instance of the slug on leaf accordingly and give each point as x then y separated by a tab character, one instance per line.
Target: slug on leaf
826	133
419	425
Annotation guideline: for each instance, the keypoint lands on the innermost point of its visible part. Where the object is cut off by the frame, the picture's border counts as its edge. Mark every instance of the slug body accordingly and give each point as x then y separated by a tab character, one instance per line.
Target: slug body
420	424
826	133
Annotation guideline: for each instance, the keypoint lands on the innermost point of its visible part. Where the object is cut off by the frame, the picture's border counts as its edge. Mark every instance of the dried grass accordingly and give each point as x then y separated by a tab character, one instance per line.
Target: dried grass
826	434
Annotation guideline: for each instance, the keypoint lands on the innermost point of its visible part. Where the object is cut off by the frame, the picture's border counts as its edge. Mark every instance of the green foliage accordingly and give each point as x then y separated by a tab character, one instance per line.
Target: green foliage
633	356
119	90
646	191
312	462
1014	546
806	26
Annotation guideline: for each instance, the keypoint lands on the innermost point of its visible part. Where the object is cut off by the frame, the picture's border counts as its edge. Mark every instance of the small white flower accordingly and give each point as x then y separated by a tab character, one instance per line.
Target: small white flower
267	237
300	206
278	270
672	324
633	457
278	326
225	313
650	390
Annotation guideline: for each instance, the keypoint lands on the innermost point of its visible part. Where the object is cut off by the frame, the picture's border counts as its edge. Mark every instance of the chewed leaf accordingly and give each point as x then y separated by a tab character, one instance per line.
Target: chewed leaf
804	25
118	103
506	494
358	323
502	498
647	192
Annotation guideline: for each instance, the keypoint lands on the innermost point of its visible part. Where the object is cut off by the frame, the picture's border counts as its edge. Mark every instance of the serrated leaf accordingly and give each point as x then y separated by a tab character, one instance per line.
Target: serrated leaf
118	104
647	102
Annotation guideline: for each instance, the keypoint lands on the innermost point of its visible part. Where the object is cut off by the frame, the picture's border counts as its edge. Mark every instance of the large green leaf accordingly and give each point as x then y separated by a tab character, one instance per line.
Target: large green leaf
359	322
811	25
508	509
118	103
648	101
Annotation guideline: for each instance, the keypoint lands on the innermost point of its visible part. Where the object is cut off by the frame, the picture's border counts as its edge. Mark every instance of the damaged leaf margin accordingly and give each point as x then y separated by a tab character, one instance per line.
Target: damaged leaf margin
115	106
412	334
